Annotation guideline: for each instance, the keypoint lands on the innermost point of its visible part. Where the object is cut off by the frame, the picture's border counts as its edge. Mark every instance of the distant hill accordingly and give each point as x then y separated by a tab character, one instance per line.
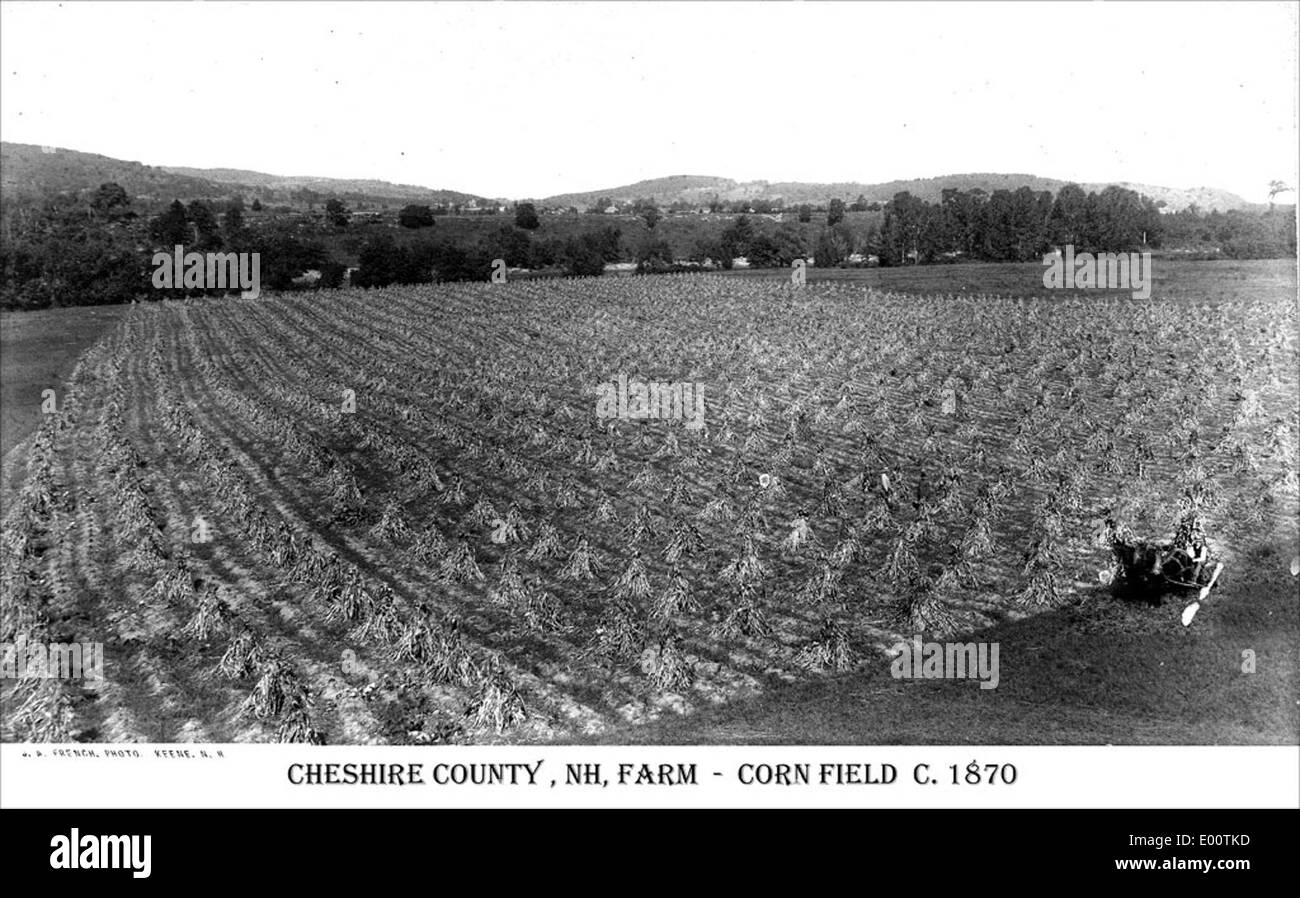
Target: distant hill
699	189
29	169
339	186
26	169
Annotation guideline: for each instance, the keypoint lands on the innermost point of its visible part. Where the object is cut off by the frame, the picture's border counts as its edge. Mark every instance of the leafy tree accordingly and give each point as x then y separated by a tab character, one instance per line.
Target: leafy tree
835	211
512	244
1122	220
764	253
285	256
207	231
111	201
608	242
381	262
649	212
546	253
232	225
1068	222
65	256
654	257
416	264
736	237
834	244
710	250
1276	187
336	213
332	273
585	256
789	245
171	227
900	235
451	262
526	217
1018	225
962	217
776	251
415	216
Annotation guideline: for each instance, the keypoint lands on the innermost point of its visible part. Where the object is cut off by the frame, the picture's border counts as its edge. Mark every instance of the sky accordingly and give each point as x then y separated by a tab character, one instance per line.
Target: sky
520	100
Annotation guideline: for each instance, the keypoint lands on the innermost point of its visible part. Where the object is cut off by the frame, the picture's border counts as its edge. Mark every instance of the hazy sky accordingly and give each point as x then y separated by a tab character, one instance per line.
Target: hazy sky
522	99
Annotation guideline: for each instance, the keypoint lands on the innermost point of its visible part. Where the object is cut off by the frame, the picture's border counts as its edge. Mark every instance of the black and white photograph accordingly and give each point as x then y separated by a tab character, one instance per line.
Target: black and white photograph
586	375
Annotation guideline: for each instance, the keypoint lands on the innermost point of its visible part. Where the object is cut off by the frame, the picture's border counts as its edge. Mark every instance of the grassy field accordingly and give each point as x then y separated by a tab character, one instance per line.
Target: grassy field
399	516
1093	672
37	351
1172	280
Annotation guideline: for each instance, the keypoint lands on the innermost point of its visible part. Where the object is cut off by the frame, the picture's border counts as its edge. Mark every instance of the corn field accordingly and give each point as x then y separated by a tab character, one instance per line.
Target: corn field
394	516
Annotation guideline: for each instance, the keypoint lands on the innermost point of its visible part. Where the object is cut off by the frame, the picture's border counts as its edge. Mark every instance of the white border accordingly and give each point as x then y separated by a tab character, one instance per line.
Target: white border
256	776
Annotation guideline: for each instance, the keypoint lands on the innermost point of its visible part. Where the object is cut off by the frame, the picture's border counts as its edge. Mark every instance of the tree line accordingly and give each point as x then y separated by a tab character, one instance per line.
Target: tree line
97	247
383	261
